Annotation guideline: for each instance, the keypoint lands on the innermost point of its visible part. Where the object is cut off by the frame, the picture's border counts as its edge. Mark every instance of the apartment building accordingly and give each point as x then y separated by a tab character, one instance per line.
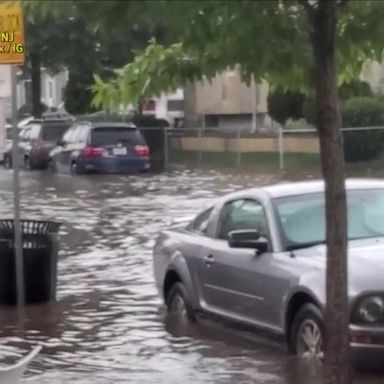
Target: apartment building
226	102
52	88
169	106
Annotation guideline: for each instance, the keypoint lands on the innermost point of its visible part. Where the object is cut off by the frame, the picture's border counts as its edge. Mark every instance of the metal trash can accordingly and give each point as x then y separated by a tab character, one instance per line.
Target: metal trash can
40	255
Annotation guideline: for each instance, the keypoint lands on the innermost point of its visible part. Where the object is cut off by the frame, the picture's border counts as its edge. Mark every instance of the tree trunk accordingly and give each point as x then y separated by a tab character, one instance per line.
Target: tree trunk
324	22
36	85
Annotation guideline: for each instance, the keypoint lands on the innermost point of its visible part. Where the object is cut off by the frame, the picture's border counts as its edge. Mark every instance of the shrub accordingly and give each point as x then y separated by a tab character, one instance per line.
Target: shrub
354	89
362	112
285	105
298	124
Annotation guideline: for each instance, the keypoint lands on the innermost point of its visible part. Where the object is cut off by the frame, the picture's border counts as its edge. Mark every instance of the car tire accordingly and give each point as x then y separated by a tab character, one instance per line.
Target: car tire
178	303
307	334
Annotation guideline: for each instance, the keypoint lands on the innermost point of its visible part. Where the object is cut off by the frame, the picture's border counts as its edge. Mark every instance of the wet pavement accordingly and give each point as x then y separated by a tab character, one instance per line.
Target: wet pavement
108	325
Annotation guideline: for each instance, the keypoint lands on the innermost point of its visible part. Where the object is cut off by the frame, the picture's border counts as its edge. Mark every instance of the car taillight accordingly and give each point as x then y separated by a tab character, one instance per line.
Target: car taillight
142	150
92	152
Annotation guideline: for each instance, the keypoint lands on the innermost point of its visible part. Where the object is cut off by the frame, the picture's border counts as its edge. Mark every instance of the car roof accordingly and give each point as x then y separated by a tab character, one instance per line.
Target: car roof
298	188
107	124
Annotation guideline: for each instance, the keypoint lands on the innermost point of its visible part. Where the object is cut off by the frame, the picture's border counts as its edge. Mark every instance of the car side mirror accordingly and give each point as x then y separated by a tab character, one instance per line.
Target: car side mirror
248	238
61	143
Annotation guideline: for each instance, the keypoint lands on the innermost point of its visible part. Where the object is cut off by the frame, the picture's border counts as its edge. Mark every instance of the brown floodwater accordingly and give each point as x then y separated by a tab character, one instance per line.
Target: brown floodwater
108	325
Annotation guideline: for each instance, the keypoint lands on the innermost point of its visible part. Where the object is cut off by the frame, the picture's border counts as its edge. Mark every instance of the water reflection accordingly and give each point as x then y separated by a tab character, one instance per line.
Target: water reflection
108	326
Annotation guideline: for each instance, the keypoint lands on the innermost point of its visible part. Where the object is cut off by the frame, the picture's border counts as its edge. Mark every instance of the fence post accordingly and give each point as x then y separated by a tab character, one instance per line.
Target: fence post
281	148
166	148
201	130
238	154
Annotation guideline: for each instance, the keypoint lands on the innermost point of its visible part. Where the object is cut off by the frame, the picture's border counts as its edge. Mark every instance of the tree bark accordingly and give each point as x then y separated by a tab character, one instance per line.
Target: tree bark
324	22
37	109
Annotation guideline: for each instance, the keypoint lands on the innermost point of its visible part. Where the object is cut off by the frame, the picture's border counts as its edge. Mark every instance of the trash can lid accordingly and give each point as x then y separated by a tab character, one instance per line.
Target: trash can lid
31	226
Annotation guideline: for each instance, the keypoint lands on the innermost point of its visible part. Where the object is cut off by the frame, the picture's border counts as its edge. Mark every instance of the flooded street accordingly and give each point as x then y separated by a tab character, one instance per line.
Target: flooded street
108	325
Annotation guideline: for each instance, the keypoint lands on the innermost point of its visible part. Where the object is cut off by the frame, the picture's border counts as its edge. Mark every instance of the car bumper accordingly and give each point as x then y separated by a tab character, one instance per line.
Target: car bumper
115	165
367	345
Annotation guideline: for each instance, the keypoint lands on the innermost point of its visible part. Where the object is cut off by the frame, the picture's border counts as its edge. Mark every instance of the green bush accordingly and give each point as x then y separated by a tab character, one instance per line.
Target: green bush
363	112
298	124
352	90
285	105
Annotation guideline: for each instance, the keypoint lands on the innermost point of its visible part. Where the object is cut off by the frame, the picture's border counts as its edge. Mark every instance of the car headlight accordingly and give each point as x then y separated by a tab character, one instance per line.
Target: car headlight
371	309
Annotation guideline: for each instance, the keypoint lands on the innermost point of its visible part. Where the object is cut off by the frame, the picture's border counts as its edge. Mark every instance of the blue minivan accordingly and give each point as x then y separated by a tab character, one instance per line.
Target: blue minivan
102	147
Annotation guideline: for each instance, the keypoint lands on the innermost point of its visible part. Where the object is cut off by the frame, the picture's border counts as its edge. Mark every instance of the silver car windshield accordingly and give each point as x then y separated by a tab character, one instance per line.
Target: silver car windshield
302	218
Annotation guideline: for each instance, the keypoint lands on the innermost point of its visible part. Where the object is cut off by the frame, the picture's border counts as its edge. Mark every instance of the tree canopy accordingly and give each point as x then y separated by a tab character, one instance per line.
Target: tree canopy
60	34
208	39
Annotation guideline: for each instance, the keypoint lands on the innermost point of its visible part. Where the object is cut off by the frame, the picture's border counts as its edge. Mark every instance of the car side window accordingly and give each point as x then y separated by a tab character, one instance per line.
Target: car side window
69	135
66	135
242	214
83	133
24	133
75	138
34	132
200	224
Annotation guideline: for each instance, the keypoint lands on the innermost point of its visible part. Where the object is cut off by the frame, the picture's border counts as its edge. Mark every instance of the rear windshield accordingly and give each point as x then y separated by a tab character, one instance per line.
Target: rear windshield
116	135
54	132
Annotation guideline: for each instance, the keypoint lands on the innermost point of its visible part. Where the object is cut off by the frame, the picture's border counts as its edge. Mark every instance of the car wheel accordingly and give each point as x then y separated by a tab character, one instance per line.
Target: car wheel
307	334
178	304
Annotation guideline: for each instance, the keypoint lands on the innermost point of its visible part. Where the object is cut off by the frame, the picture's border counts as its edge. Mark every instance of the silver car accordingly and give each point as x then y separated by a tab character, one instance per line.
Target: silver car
257	257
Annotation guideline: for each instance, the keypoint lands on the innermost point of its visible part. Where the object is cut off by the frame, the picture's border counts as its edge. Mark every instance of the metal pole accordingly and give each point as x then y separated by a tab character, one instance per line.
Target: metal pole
238	154
166	148
16	193
281	148
253	105
201	130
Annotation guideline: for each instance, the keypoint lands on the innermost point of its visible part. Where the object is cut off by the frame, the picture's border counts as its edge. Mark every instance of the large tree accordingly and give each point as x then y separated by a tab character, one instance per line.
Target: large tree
60	36
311	45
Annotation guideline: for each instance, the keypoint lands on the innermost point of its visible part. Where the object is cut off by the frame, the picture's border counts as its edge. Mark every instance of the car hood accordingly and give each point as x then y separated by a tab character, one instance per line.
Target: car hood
365	264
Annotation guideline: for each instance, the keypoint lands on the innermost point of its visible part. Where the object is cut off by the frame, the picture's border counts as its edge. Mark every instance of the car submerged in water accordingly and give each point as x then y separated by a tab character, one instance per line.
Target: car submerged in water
258	257
36	140
101	147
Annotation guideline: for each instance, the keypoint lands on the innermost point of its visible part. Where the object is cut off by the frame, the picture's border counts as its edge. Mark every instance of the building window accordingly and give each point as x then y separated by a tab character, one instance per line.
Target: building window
175	105
211	121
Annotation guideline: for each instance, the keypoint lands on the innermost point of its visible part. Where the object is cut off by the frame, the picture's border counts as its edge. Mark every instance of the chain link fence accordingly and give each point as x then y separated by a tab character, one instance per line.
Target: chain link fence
278	149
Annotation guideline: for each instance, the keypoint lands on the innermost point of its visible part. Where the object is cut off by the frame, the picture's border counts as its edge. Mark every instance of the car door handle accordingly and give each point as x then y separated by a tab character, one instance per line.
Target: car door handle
209	259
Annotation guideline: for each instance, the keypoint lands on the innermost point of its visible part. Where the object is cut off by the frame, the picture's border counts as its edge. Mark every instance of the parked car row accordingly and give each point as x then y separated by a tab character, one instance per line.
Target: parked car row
80	147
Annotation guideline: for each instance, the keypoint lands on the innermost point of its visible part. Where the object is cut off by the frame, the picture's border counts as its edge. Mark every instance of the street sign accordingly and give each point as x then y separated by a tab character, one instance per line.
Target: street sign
12	44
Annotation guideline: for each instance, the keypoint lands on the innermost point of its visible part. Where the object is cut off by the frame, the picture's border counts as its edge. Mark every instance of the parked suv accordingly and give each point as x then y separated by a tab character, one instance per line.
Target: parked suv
39	139
103	147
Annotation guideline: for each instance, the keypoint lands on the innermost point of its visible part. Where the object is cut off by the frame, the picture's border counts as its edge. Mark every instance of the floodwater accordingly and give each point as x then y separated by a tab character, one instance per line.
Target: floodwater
108	325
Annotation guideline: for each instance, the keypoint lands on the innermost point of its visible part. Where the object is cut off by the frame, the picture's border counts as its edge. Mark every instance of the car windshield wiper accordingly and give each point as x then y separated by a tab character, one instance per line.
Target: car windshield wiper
294	247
